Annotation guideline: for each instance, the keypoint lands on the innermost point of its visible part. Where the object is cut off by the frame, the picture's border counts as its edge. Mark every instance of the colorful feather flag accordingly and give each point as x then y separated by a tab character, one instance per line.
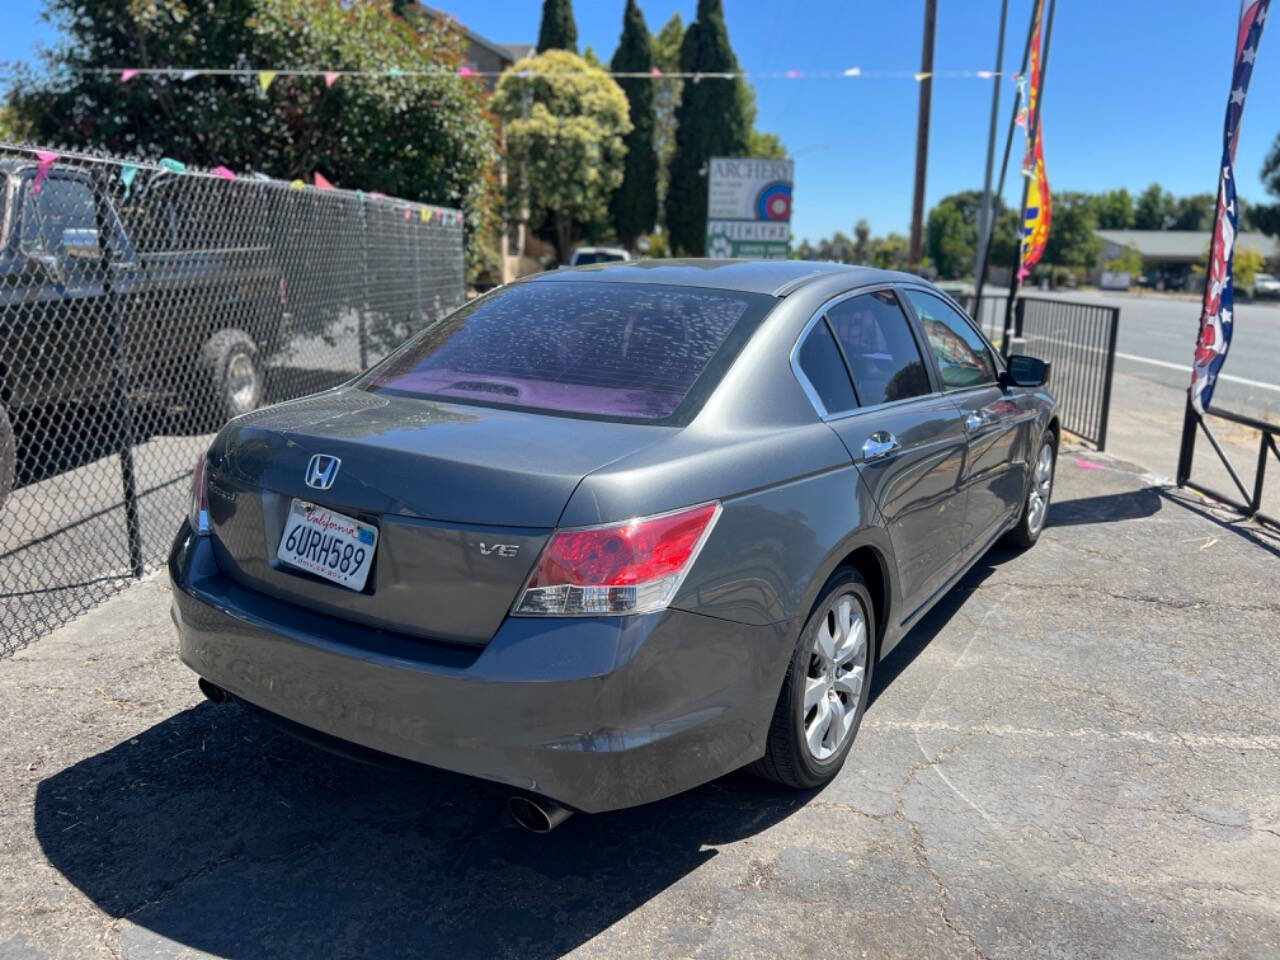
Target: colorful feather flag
1037	212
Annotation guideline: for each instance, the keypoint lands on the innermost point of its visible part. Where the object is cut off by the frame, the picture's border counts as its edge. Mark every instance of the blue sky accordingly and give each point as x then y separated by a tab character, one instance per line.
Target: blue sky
1135	92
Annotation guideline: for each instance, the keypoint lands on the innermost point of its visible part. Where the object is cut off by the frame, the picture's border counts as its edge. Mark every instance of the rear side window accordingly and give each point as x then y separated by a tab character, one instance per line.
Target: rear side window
880	347
819	360
963	358
631	352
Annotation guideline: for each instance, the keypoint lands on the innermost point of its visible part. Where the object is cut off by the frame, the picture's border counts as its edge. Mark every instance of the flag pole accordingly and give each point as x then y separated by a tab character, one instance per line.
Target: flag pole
1033	128
1004	168
986	214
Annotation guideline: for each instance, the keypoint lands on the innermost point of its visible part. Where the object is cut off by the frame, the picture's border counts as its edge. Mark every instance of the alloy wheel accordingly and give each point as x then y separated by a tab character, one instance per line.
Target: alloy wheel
1041	488
833	682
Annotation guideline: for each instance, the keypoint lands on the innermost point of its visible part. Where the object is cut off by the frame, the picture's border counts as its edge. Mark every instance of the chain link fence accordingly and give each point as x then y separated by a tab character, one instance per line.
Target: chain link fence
141	306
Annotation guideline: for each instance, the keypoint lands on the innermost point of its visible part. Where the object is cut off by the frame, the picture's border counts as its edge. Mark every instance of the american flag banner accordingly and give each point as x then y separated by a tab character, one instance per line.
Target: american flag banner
1216	312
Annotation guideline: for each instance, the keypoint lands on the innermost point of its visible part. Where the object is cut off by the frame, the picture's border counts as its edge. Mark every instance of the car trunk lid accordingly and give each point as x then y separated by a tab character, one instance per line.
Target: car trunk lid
463	498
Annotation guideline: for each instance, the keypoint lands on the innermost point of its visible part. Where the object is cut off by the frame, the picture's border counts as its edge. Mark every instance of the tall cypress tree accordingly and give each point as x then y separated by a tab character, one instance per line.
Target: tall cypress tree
635	206
558	31
711	121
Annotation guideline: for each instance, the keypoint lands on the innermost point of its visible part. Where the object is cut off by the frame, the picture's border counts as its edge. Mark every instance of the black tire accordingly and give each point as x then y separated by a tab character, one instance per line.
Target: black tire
8	456
787	757
1027	532
231	377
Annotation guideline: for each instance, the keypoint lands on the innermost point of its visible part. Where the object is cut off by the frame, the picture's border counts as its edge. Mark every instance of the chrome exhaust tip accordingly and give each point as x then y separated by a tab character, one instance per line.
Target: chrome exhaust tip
213	693
536	814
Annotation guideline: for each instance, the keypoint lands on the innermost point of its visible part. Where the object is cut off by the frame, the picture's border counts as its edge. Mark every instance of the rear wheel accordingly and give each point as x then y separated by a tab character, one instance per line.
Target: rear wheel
825	691
1035	509
232	376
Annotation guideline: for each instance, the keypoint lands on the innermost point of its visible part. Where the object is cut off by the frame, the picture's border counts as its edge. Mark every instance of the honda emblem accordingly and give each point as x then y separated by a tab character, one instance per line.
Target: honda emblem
322	471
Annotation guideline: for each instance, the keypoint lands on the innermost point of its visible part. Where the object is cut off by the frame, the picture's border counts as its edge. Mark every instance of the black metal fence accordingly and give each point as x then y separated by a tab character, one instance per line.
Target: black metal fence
1078	339
1249	504
141	306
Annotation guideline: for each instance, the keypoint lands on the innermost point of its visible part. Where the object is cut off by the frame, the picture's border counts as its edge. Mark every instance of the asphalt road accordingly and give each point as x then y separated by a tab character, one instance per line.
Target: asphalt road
1157	339
1074	756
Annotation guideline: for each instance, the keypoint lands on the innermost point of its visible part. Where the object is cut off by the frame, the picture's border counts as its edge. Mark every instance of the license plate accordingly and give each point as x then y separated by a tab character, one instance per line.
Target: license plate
328	544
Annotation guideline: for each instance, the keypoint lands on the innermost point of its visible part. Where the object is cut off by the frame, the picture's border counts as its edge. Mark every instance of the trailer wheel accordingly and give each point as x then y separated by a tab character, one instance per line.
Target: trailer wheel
232	376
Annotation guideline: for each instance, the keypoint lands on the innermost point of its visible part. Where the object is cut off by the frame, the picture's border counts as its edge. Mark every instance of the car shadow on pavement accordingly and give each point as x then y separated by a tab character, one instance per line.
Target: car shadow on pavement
1107	508
215	831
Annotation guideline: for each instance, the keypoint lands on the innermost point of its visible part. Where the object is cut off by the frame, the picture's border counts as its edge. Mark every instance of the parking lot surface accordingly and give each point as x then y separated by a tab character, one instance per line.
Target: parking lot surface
1076	755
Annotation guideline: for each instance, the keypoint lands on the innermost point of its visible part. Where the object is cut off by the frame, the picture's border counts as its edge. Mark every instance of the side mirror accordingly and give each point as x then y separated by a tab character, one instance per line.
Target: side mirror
1026	371
46	265
81	244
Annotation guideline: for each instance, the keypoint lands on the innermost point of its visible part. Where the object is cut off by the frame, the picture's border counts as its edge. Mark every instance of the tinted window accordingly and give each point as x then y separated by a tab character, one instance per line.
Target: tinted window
63	204
819	359
963	357
880	348
582	259
622	351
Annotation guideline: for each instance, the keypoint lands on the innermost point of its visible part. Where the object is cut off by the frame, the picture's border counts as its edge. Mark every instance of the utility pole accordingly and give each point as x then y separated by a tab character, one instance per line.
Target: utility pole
916	253
987	212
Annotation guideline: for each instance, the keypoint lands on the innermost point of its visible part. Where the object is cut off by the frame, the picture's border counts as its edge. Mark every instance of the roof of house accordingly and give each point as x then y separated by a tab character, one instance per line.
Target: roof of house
510	52
1184	244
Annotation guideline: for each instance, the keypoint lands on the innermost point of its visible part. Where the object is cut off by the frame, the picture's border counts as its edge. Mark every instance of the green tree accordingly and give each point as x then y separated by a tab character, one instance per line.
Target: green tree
1072	238
666	96
424	138
635	205
1127	260
767	145
565	124
1266	217
1246	264
710	122
1154	209
862	242
889	252
557	31
949	241
1114	210
1194	212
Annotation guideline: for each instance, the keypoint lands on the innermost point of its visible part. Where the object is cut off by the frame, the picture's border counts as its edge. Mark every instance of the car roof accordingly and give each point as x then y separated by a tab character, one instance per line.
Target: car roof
774	277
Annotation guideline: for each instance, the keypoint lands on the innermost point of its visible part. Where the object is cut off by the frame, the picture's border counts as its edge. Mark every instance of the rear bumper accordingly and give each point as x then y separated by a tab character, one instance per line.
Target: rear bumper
595	713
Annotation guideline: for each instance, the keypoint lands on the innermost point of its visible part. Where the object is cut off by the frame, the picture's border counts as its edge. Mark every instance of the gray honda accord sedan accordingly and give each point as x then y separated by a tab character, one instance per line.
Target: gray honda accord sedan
605	534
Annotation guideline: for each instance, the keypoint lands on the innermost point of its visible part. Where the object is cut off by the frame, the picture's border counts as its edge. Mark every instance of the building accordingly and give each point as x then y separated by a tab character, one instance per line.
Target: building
1168	255
484	55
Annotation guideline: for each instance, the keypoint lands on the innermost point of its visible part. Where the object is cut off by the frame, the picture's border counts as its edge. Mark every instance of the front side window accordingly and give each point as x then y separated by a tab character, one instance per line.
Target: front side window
883	355
611	350
63	204
964	360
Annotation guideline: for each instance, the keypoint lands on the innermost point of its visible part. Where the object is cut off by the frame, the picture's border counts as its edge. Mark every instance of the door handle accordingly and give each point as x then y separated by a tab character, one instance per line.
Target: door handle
976	420
880	444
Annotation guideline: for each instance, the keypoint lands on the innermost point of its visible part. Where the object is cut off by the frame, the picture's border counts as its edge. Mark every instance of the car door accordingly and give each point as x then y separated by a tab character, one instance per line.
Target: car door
71	355
864	368
996	425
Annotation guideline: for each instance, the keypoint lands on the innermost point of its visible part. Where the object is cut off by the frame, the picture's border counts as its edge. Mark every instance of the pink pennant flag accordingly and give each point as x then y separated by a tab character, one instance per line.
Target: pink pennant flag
129	74
408	213
458	218
655	72
331	77
223	172
794	74
44	160
466	72
321	182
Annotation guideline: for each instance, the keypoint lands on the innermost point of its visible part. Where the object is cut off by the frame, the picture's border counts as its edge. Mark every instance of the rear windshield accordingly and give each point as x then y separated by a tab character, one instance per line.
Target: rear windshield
614	351
583	259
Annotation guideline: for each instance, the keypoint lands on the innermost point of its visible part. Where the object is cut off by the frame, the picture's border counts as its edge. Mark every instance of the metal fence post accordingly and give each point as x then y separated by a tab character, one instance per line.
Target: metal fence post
1105	413
1187	447
364	279
120	380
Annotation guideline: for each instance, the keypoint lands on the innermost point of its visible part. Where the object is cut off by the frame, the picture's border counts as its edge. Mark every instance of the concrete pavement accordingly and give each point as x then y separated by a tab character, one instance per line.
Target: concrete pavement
1076	755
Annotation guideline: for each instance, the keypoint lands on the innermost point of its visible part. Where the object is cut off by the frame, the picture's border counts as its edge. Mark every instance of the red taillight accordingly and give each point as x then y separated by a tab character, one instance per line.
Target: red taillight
198	516
633	567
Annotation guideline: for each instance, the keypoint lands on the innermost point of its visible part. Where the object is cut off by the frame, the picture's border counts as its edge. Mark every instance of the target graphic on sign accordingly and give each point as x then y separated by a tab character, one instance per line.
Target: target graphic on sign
774	202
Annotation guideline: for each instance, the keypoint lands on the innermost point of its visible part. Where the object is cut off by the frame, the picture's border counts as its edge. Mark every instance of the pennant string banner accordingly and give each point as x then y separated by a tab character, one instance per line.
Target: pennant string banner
330	77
